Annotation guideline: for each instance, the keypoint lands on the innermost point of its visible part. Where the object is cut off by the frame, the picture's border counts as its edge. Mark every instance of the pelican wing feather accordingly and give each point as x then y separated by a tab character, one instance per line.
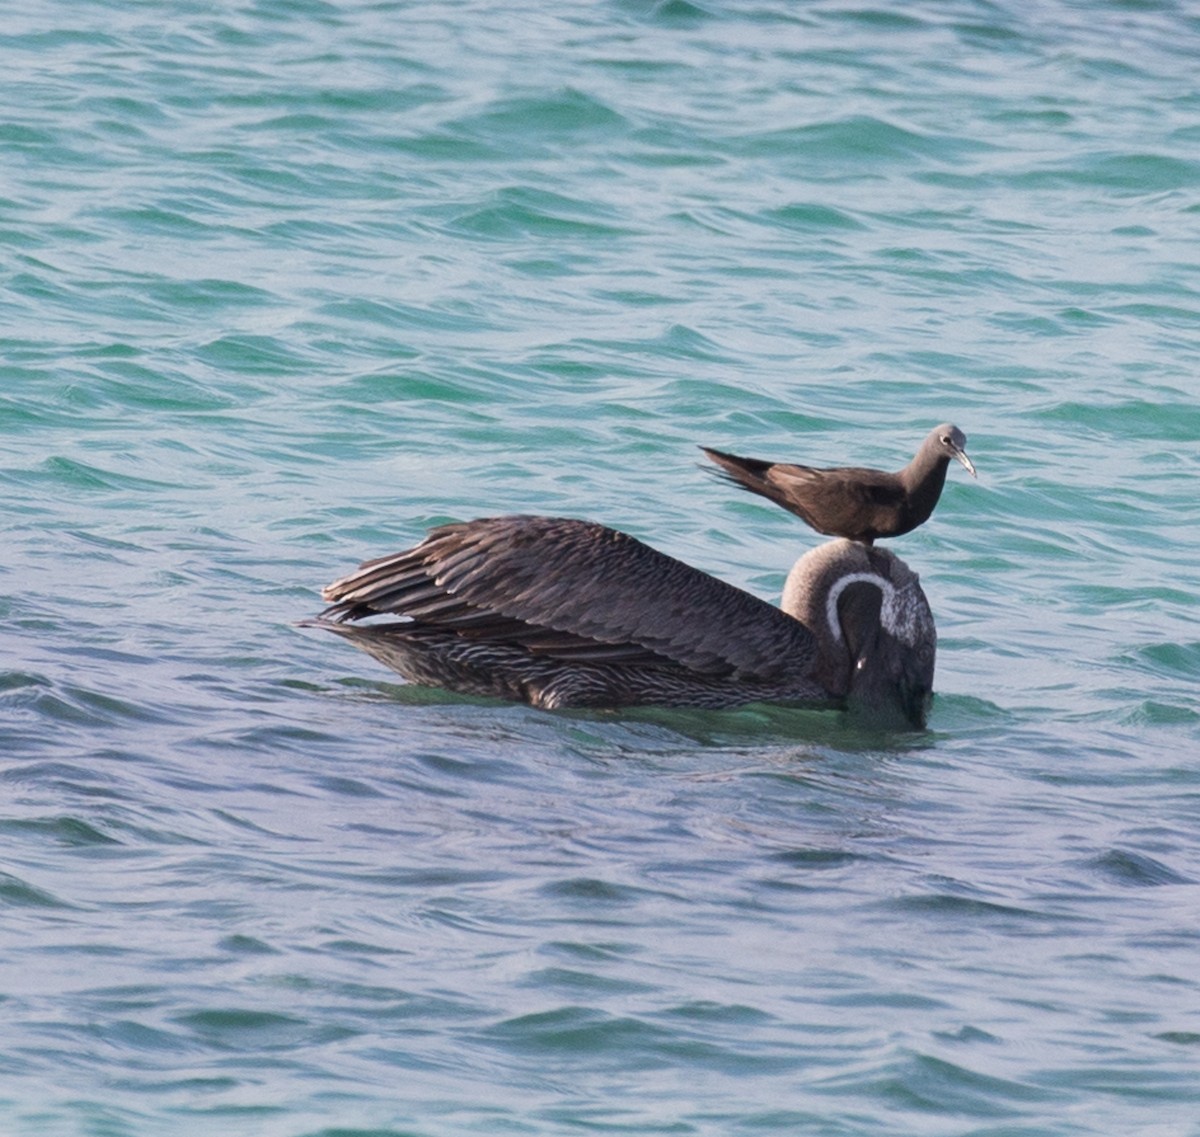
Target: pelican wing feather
575	590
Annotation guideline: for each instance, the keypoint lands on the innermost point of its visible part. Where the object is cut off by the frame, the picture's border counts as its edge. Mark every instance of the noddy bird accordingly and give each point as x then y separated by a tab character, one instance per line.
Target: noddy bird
851	502
563	613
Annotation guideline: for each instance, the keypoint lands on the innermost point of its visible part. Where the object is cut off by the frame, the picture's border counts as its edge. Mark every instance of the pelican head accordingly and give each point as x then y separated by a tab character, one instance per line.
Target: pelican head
874	629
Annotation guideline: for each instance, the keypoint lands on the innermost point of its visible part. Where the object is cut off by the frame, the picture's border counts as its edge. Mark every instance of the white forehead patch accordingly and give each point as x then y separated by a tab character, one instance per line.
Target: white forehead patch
899	613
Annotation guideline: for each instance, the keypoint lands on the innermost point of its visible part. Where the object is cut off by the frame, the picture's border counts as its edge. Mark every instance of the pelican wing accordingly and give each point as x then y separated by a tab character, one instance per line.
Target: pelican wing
575	590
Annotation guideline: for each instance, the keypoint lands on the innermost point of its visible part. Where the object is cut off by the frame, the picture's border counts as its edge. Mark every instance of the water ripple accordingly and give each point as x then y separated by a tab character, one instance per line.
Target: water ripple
288	284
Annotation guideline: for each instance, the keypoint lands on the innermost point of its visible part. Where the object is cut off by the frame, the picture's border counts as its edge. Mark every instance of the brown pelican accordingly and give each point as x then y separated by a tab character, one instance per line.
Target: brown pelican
564	613
847	501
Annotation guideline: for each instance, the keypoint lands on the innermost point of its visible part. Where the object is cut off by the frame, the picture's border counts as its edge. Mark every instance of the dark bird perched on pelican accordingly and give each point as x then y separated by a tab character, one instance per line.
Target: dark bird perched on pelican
851	502
563	613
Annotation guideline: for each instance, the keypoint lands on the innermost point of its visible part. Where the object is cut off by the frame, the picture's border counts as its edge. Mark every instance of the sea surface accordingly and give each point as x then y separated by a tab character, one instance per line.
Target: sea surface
285	282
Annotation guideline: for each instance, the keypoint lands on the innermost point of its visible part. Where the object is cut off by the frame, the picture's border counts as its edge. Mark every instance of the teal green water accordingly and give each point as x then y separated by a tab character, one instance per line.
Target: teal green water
287	282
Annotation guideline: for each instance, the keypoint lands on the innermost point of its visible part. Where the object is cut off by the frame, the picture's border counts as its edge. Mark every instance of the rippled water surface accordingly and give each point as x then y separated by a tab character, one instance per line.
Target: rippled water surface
286	282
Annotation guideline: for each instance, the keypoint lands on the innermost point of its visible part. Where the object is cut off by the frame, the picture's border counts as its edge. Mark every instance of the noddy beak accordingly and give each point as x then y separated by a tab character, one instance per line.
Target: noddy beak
961	455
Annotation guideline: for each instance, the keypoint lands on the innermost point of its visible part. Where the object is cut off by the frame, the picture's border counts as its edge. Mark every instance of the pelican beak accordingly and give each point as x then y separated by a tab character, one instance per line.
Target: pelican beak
891	682
961	455
916	697
889	692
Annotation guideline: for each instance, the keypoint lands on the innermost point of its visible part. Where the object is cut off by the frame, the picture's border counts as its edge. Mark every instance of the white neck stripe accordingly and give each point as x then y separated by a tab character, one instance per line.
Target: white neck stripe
887	611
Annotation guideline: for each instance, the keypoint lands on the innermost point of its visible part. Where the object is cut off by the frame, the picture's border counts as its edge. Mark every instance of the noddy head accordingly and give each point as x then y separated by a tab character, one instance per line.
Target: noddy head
953	443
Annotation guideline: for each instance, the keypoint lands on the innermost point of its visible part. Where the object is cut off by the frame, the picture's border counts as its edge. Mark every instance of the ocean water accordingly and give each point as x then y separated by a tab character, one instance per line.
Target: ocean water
285	282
